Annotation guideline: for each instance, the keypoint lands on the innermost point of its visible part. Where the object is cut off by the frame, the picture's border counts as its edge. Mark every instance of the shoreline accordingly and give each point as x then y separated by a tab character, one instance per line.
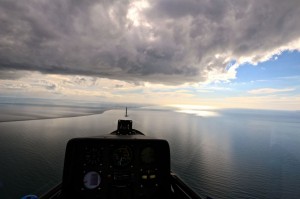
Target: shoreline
54	117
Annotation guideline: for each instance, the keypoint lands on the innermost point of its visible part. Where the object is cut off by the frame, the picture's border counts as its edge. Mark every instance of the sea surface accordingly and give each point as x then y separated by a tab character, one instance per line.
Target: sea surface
219	153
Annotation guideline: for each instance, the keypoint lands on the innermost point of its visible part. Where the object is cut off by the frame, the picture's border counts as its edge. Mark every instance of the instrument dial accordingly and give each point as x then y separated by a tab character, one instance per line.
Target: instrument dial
93	156
148	155
91	180
122	156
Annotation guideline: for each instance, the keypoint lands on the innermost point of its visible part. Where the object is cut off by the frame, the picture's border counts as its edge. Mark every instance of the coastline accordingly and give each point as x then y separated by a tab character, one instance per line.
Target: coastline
19	117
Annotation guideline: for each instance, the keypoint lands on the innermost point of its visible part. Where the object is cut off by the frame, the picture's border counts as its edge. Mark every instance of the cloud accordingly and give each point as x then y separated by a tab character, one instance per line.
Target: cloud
269	91
162	41
51	86
271	102
48	85
12	74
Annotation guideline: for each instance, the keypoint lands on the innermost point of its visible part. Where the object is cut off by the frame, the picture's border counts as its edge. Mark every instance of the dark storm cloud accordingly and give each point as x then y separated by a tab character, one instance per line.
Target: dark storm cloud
169	41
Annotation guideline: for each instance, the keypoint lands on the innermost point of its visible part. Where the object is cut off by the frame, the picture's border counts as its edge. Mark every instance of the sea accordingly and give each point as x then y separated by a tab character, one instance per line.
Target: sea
220	153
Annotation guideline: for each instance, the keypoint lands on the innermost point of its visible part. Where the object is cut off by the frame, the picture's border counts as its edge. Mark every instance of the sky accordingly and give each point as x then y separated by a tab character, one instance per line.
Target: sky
216	53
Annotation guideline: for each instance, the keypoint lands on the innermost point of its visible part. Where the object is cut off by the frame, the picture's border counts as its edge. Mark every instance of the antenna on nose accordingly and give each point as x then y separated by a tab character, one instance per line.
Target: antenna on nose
126	115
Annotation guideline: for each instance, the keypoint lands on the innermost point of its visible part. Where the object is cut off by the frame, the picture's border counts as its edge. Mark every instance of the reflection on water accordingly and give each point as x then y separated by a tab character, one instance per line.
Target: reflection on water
202	111
233	155
199	113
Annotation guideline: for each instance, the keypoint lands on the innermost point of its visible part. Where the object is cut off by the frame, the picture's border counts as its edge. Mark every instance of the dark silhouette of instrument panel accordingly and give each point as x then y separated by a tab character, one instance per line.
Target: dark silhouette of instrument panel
117	167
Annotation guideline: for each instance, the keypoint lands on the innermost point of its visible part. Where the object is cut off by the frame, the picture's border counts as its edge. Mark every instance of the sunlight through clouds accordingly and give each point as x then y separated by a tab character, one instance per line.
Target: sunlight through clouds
134	13
161	51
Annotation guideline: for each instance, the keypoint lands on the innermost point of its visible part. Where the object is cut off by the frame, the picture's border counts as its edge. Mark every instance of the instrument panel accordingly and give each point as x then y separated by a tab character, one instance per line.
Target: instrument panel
117	167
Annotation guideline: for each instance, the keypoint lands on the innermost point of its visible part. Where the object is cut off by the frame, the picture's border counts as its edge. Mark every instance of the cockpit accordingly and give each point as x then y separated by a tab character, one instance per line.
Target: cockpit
125	164
117	167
